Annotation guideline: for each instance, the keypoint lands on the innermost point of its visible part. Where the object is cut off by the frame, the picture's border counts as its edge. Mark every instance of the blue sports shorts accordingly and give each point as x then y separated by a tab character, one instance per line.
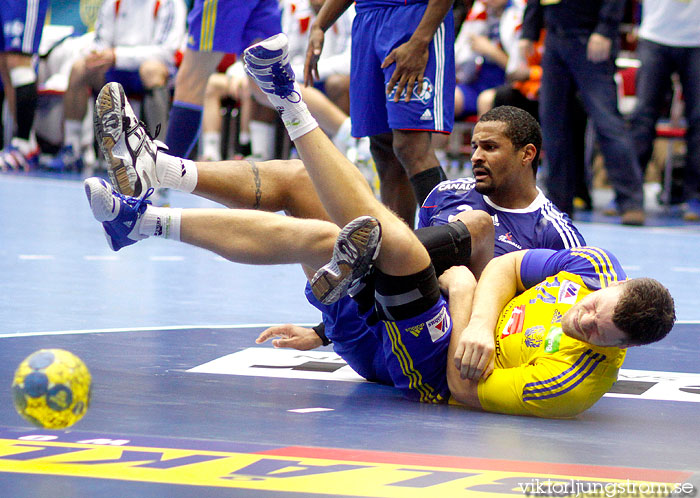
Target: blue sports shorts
231	25
375	33
21	24
410	354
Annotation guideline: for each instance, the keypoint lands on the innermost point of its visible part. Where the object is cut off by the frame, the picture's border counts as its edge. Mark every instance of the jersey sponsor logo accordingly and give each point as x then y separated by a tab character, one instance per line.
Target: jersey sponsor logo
556	317
426	116
416	330
515	322
466	184
551	344
438	326
508	239
568	292
534	336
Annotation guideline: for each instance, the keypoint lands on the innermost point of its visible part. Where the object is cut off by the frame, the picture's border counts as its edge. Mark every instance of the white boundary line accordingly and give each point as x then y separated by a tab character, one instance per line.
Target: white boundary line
146	329
184	327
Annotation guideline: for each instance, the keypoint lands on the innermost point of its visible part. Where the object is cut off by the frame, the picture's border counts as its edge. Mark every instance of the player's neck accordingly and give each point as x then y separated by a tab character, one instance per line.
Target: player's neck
514	198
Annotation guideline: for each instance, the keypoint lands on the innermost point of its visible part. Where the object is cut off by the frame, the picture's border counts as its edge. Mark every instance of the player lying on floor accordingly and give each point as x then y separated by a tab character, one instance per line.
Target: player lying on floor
408	348
454	225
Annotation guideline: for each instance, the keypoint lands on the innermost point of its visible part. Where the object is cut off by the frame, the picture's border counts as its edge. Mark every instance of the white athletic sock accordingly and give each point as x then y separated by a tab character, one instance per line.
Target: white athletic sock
294	113
177	173
211	145
262	140
343	139
161	222
72	134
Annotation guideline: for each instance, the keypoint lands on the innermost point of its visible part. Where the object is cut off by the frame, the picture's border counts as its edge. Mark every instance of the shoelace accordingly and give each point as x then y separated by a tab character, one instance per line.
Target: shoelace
137	202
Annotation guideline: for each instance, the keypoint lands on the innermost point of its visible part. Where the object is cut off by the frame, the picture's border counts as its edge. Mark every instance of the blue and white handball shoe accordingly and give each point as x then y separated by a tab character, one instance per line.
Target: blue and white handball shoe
268	63
354	253
119	214
125	143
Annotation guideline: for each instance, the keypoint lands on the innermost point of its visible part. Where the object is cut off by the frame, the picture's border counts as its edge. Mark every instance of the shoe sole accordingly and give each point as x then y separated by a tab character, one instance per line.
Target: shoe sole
108	124
260	54
331	282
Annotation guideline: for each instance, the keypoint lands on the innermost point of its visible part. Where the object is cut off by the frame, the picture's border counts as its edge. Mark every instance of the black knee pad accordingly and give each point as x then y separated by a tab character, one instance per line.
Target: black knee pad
448	245
398	298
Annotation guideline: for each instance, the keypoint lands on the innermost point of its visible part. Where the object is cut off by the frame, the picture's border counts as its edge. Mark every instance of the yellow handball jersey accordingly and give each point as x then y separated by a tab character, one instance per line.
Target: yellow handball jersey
538	369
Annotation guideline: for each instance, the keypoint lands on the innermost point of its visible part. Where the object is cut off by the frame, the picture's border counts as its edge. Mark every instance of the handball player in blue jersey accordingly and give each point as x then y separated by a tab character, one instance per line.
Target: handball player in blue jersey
402	88
562	318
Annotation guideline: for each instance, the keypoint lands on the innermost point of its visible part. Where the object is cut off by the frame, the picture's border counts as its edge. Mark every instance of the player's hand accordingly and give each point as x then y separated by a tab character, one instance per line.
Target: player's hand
290	336
100	60
598	49
411	59
313	52
481	44
456	277
474	354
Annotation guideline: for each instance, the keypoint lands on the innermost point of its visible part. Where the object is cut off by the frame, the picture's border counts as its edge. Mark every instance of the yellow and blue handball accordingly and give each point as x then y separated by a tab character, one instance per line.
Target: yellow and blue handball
51	388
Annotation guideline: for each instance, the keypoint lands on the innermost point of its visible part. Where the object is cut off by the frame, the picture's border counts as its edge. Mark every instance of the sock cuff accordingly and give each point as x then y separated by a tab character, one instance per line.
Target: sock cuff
175	172
161	222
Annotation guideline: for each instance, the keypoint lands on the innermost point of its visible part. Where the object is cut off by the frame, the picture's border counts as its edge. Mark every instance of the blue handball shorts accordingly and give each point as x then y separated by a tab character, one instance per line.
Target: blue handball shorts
410	354
22	23
231	25
375	33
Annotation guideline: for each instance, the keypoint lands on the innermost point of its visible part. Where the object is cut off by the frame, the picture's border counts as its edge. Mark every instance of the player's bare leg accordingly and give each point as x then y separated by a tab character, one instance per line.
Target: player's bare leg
340	186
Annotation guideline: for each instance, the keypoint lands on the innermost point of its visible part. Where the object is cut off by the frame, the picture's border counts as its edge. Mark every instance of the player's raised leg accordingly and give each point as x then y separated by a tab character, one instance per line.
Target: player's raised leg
137	162
242	236
341	187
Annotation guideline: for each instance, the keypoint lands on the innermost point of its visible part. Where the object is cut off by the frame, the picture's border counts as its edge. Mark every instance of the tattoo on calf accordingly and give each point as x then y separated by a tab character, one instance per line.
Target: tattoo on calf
258	188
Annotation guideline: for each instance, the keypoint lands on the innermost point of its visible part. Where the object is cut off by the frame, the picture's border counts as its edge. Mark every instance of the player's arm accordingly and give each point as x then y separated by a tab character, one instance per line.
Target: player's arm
472	346
411	58
459	284
329	13
552	387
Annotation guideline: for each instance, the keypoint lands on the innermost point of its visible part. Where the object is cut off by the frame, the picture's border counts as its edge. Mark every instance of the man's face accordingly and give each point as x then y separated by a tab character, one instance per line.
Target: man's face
495	162
590	320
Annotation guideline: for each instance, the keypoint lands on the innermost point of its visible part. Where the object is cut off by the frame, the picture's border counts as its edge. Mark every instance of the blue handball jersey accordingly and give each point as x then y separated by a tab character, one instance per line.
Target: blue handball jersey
540	225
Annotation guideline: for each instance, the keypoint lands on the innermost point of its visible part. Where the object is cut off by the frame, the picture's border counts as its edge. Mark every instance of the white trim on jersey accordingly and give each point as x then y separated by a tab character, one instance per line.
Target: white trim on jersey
555	217
438	84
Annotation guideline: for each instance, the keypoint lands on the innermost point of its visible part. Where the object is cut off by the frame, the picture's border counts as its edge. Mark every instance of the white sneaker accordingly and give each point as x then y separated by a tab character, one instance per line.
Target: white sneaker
125	143
119	214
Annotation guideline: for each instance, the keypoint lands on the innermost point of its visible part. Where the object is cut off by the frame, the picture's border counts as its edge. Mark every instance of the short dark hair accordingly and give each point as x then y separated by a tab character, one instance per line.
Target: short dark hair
645	311
521	128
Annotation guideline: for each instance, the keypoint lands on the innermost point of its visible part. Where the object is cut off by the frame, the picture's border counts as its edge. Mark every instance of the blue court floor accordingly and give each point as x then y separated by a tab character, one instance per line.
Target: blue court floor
186	404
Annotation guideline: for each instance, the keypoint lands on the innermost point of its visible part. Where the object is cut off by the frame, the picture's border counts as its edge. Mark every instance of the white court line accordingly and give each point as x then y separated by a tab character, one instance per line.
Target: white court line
311	410
36	257
145	329
686	269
